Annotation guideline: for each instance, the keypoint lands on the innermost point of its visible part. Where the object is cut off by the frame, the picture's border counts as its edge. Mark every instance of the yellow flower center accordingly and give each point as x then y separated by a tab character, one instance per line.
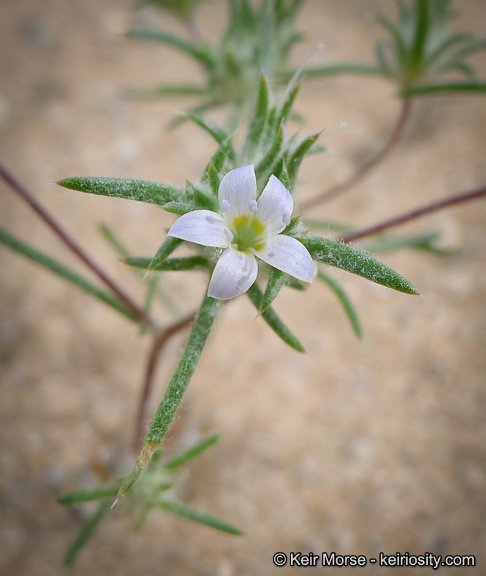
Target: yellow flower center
248	233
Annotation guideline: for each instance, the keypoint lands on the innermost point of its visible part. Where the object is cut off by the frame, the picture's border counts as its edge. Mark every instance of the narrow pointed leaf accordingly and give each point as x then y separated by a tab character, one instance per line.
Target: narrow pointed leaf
475	46
224	152
201	54
264	168
164	252
168	197
445	88
191	453
160	293
422	26
212	176
64	272
168	265
275	282
89	495
86	532
258	121
344	68
290	95
425	242
198	516
357	262
202	195
166	90
273	320
345	301
397	37
210	127
294	162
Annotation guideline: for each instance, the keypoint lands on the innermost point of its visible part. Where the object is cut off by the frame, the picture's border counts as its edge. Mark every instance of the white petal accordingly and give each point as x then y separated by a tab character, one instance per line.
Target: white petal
202	227
275	206
290	256
233	274
237	191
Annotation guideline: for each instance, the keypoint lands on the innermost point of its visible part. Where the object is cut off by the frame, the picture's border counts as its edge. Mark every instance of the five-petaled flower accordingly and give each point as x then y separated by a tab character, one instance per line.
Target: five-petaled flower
246	228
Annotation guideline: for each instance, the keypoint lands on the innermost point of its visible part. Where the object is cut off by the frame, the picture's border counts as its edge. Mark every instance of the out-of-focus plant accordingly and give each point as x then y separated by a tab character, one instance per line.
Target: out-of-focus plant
186	10
259	37
419	51
154	491
420	48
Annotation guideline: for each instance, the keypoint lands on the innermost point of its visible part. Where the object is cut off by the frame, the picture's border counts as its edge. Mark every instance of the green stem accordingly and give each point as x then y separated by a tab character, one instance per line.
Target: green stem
175	390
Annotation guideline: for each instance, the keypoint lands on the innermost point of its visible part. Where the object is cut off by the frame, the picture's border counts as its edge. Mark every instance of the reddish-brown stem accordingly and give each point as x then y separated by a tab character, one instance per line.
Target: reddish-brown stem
367	166
158	344
413	214
75	248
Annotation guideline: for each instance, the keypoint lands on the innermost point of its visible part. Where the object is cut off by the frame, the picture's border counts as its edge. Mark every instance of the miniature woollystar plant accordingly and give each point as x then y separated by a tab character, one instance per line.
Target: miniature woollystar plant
240	211
246	228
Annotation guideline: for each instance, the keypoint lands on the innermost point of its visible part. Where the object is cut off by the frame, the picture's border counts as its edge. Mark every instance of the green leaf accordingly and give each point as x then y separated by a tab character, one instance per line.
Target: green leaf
166	90
293	164
222	154
88	495
344	299
191	453
422	26
272	319
86	532
289	97
64	272
354	260
275	282
445	88
264	168
212	176
200	53
210	127
384	67
395	32
328	226
198	516
161	294
164	252
201	193
385	243
474	46
168	265
169	197
343	68
257	123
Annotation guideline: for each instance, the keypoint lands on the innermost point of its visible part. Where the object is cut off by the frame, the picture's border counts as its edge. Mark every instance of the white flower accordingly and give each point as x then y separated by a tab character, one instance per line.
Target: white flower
246	228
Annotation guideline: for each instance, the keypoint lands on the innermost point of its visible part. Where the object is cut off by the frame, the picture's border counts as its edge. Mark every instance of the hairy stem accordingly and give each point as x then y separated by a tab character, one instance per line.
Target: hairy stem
416	213
175	391
363	170
74	247
155	353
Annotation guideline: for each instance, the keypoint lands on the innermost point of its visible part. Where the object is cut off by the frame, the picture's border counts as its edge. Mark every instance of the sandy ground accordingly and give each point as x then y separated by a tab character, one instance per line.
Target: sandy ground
355	447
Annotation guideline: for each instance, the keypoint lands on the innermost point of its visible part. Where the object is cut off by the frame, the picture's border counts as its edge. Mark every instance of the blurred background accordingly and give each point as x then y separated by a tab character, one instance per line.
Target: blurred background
357	447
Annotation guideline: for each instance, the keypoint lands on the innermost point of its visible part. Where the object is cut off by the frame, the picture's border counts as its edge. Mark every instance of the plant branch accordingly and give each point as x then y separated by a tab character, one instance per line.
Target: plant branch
74	247
363	170
158	345
416	213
